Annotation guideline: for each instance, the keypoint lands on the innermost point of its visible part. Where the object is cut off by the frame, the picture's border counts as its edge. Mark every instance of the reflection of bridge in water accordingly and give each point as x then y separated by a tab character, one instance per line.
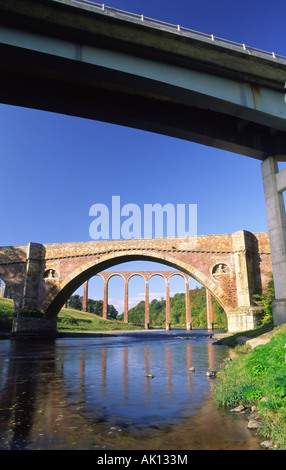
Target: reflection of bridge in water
147	275
79	382
168	365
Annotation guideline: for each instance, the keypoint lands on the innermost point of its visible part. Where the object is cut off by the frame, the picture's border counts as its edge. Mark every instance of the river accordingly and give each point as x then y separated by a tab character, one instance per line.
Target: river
116	392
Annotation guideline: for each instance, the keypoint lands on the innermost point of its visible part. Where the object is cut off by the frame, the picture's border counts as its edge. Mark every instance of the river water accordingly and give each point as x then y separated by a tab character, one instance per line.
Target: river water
97	393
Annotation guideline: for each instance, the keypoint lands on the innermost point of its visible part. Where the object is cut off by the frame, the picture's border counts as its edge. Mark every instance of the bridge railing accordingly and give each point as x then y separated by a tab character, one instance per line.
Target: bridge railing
173	28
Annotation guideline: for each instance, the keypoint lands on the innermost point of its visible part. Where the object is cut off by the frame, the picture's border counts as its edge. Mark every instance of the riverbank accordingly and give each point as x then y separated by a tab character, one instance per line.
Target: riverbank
254	383
76	322
69	320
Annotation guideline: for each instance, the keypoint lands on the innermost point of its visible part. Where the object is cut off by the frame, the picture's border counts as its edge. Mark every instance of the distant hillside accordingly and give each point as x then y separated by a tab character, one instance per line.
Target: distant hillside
157	311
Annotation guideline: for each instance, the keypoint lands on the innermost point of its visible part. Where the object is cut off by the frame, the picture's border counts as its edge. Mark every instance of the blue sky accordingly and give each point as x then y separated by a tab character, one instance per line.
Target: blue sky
54	167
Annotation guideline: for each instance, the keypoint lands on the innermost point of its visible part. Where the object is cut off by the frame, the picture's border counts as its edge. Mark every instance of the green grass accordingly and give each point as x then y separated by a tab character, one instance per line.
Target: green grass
231	341
75	320
6	314
68	320
258	374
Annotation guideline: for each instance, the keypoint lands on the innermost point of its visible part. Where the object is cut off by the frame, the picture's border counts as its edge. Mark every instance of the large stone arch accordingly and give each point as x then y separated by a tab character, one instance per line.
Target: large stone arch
233	268
61	292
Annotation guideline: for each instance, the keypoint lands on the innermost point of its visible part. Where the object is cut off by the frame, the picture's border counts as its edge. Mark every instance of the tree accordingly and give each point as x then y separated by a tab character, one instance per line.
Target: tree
265	300
96	306
112	312
75	301
93	306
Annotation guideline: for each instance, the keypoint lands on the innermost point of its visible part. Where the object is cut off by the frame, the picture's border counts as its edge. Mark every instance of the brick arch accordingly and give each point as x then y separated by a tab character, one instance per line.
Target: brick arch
136	274
157	274
107	278
60	293
180	274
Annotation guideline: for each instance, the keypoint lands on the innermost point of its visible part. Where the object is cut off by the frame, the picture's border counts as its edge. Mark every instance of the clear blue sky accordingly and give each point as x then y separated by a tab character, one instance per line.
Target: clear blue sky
54	167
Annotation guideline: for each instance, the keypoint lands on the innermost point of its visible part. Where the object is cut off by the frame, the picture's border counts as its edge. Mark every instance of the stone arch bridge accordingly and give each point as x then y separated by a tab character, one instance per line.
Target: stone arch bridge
41	277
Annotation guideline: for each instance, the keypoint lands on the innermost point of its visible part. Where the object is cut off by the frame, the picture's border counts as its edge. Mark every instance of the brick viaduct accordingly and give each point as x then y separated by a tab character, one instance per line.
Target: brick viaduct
41	277
146	275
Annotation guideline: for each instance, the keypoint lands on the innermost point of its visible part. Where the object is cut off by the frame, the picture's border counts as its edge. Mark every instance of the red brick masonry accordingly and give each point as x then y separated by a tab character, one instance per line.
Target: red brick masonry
41	278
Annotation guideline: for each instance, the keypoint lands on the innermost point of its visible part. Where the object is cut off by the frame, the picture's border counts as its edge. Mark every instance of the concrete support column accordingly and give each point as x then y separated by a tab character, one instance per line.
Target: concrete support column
85	297
126	302
168	311
147	319
209	310
274	182
105	299
188	308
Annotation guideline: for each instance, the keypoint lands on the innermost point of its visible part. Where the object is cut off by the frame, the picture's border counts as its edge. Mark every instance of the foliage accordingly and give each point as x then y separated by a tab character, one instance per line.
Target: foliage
255	375
198	308
265	299
75	302
75	320
68	319
6	314
93	306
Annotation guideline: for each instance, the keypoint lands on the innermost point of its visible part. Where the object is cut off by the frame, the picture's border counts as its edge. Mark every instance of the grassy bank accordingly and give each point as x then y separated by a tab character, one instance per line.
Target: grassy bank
75	320
6	314
258	379
68	320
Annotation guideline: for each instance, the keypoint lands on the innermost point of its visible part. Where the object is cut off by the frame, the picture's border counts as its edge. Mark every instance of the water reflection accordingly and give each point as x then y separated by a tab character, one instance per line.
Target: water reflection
96	393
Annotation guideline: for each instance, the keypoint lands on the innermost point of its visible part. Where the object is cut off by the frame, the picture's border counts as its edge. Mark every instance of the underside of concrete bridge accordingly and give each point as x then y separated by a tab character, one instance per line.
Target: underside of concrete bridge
69	57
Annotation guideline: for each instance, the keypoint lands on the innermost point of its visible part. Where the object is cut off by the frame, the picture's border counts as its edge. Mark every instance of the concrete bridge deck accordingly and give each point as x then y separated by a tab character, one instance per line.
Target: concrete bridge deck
73	58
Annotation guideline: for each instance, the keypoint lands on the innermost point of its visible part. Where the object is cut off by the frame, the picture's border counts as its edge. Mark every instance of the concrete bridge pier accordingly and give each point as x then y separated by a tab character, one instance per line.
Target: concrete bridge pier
274	183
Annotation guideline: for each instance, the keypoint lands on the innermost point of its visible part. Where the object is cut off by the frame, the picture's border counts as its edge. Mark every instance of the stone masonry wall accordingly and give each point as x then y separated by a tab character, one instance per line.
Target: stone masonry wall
225	264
